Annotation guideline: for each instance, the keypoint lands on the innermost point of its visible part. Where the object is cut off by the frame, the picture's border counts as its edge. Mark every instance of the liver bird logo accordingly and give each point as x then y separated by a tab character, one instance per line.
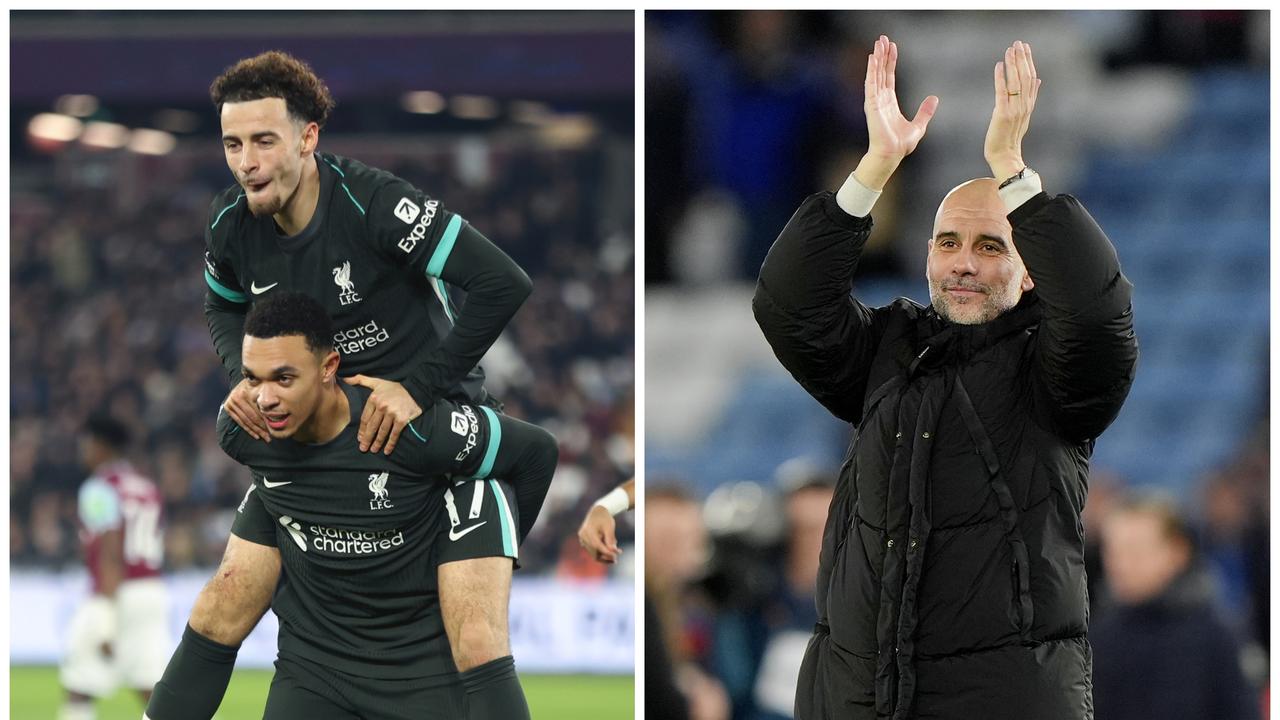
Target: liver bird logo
378	485
342	277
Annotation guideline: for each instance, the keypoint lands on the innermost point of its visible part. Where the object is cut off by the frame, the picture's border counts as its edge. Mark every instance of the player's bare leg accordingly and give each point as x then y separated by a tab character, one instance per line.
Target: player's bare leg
474	596
226	610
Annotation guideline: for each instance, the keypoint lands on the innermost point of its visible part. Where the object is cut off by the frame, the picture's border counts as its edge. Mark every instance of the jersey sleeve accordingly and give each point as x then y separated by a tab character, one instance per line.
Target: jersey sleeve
226	303
474	441
450	438
253	522
412	228
230	437
98	506
442	246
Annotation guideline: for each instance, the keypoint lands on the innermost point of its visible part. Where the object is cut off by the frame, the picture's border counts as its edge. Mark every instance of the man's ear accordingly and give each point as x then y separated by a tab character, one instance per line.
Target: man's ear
310	138
329	366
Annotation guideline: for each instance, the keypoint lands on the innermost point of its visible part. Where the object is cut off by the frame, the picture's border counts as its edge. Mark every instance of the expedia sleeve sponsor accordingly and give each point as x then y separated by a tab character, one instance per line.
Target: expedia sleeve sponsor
457	439
408	225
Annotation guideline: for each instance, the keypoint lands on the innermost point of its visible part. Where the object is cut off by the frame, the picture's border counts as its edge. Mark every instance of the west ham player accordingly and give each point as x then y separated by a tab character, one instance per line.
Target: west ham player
358	536
118	636
379	254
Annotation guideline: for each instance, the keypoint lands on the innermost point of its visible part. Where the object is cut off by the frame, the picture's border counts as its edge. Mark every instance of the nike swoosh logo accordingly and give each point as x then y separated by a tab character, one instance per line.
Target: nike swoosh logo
270	484
455	535
259	290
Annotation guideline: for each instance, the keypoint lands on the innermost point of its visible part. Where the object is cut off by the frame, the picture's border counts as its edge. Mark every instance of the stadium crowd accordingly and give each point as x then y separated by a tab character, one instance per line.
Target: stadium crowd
106	313
734	616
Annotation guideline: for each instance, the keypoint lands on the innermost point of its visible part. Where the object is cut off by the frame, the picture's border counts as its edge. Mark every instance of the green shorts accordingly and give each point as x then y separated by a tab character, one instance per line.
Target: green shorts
303	690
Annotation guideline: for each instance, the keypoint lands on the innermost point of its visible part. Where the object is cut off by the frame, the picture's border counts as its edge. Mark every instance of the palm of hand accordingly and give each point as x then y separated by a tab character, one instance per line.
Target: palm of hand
887	127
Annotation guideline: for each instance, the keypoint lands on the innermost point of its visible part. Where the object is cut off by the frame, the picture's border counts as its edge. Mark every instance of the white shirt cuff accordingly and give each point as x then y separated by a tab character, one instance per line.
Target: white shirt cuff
1020	191
855	198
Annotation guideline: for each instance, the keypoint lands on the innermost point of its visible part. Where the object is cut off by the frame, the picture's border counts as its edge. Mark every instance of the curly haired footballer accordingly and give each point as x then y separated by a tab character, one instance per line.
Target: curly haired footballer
275	74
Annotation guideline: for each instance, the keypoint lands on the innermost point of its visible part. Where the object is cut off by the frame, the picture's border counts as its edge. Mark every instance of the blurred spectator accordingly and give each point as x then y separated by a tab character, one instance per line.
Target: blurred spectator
676	553
760	642
1105	490
106	311
1160	650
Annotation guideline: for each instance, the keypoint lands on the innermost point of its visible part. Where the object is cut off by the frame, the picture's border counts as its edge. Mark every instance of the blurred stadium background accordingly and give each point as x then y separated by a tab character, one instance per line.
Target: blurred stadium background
1157	121
522	122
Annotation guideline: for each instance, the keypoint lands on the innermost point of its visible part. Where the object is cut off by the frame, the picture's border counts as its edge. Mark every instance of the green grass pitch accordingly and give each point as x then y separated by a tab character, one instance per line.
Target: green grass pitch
34	694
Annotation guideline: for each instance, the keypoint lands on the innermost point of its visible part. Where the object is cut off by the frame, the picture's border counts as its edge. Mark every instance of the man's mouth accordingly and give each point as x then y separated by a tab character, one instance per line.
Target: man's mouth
964	291
276	421
257	187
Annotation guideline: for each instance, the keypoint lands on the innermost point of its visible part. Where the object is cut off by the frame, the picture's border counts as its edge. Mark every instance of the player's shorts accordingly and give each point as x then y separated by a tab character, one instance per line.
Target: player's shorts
139	637
482	518
303	690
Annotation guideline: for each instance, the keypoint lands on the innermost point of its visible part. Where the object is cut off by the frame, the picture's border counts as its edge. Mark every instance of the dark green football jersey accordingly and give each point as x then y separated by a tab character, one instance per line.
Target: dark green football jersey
388	264
357	535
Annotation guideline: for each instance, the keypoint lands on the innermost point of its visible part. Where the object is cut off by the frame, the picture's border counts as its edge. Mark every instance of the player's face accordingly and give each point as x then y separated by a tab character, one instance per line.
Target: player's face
265	150
974	271
286	380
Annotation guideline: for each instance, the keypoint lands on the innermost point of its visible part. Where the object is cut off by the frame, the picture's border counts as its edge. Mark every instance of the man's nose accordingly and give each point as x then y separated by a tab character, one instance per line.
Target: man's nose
266	398
964	263
248	160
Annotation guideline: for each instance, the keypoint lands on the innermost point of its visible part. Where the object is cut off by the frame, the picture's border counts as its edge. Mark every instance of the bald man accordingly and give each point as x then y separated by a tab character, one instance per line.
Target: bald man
951	581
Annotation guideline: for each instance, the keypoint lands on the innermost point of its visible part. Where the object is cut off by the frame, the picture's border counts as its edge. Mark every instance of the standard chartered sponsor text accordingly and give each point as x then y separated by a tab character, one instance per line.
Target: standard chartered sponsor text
354	542
362	337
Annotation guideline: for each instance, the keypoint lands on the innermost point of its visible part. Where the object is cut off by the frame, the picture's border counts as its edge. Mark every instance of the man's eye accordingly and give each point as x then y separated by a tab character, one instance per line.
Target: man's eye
253	382
286	379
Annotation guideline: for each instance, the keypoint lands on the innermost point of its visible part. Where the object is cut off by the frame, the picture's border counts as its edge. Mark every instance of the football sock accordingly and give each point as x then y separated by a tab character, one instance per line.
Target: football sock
494	692
77	710
194	681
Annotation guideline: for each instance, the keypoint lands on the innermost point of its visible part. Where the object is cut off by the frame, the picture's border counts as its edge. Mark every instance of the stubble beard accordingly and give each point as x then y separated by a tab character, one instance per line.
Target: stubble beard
975	311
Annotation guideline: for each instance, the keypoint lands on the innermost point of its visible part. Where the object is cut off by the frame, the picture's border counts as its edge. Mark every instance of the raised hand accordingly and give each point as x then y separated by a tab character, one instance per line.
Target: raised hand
891	135
1017	87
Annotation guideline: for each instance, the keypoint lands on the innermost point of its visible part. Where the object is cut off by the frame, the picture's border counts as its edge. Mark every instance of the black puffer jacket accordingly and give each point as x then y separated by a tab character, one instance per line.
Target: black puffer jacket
952	580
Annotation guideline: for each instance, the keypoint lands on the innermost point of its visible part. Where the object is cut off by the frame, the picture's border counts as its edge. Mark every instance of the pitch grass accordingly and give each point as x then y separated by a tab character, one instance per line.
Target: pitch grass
34	694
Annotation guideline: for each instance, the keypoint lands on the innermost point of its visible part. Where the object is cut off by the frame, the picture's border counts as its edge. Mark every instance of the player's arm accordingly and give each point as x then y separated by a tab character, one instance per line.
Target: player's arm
225	612
597	534
469	441
445	248
225	308
1086	349
825	338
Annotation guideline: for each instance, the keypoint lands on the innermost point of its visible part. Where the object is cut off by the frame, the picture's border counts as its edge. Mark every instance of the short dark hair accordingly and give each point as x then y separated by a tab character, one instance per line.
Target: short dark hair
107	430
291	313
275	74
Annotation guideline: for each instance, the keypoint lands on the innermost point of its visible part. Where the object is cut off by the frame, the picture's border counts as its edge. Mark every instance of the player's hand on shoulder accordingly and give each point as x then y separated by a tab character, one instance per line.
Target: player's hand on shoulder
597	535
240	406
386	413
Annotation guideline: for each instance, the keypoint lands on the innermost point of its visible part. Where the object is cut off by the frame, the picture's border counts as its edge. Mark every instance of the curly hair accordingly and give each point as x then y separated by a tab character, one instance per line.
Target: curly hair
275	74
291	313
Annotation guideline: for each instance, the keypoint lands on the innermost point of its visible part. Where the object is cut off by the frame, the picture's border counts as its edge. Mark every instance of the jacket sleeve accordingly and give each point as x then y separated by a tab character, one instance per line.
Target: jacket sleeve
1086	351
822	335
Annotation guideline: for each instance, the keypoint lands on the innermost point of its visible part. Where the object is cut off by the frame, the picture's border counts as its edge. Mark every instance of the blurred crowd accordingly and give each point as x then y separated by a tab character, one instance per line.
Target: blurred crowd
748	112
106	314
1179	595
